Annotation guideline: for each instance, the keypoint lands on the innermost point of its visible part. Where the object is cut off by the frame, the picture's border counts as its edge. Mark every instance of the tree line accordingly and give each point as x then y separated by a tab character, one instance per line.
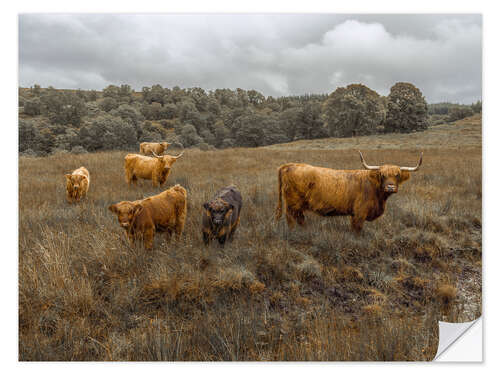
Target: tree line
52	120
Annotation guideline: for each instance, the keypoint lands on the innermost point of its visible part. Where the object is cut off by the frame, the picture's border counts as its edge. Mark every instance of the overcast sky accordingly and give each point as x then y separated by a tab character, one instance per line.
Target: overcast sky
274	54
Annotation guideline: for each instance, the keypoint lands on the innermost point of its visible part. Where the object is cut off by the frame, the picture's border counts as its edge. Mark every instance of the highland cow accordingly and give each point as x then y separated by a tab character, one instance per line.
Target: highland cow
156	168
222	215
162	212
361	194
147	148
77	184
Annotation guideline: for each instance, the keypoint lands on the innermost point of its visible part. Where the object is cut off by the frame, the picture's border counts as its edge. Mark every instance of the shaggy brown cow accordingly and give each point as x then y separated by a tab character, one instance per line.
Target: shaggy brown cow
162	212
222	215
156	168
77	184
147	148
329	192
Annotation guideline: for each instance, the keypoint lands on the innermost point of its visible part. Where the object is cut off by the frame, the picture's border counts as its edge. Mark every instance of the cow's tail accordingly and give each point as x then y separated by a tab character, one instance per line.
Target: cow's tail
279	207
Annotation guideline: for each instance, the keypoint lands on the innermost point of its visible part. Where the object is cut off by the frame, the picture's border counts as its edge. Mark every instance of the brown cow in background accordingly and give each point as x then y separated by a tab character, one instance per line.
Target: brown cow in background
77	184
222	215
162	212
156	168
148	148
361	194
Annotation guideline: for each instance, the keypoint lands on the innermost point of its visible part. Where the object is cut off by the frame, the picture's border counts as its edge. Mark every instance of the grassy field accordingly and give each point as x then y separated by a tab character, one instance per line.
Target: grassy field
314	293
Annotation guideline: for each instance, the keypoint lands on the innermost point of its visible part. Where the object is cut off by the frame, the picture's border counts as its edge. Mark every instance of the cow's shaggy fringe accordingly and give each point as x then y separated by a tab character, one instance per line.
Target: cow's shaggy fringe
315	293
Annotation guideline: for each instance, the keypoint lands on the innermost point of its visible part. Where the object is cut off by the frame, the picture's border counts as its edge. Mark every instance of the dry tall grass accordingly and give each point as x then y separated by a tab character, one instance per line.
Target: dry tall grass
314	293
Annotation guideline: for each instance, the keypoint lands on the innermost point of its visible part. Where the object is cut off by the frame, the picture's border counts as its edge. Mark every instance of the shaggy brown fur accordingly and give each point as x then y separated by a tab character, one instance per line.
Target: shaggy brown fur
156	168
222	215
147	148
360	194
162	212
77	184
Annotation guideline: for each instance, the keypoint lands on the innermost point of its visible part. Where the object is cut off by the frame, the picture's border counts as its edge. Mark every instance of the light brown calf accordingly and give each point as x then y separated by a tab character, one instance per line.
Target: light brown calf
77	184
162	212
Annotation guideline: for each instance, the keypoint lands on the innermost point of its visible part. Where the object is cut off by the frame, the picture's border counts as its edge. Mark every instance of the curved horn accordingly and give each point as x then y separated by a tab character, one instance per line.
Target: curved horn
413	169
178	156
154	154
370	167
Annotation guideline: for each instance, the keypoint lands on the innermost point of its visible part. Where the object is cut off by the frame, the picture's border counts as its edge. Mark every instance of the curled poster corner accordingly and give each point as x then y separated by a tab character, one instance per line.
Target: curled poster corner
469	349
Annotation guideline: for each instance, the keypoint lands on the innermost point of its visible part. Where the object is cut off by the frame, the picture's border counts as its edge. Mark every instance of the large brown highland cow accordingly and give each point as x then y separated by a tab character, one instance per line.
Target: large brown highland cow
162	212
147	148
77	184
156	168
222	215
361	194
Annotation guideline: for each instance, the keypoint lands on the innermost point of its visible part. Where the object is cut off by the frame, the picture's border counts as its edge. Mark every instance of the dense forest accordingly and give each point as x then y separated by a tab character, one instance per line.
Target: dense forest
53	120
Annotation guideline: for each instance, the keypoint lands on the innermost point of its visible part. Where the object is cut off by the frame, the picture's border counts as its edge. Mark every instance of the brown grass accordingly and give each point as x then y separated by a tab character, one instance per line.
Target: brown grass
447	293
314	293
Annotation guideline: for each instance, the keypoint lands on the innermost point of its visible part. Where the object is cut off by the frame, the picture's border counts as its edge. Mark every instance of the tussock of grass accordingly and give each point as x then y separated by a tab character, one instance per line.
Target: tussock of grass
313	293
446	293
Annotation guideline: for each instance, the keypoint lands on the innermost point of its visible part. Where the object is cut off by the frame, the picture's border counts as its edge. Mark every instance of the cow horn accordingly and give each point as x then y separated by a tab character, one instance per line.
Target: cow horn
413	169
178	156
154	154
370	167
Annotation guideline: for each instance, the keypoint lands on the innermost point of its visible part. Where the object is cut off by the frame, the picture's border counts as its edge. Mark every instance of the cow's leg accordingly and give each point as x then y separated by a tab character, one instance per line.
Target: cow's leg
222	240
148	238
179	225
206	238
357	223
299	215
231	233
155	178
131	238
233	229
128	176
290	217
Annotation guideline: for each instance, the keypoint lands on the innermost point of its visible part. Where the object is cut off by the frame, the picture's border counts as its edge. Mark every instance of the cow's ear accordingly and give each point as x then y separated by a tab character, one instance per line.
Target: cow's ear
205	206
405	175
112	208
376	177
68	176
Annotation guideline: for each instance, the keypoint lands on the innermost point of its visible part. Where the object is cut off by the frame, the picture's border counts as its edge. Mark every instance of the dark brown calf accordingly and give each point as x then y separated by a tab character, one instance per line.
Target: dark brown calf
222	215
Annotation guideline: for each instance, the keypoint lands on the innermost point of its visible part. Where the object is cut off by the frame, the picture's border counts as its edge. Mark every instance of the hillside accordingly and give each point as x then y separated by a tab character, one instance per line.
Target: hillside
118	118
458	134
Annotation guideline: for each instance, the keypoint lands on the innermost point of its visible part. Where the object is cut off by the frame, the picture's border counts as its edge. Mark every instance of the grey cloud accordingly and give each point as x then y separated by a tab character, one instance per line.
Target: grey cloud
274	54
